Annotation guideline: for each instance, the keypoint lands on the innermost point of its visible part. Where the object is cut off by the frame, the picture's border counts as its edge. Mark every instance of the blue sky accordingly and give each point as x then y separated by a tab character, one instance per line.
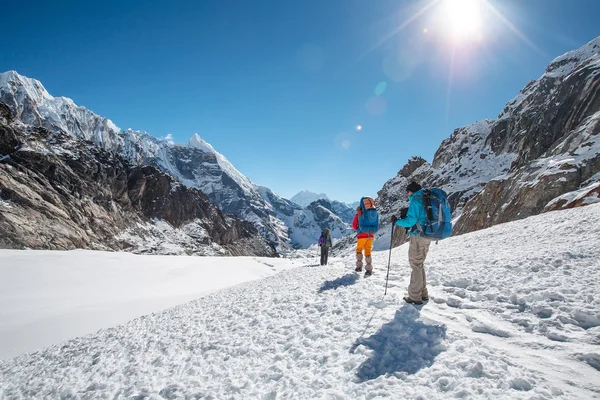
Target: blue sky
279	87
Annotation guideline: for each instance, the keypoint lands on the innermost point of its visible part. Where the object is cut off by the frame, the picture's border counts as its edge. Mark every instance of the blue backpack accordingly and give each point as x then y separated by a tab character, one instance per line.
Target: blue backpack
439	216
368	220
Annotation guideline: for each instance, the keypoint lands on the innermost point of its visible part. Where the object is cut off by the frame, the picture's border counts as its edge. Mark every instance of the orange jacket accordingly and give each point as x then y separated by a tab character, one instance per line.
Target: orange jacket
355	227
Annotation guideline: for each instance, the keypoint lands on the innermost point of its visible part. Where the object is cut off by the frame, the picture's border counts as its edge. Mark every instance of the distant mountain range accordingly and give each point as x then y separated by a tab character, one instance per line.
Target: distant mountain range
197	165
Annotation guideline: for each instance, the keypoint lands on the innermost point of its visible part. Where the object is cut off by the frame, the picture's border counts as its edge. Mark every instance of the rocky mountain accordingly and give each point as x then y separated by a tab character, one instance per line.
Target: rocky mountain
305	197
304	225
197	165
61	192
344	211
541	153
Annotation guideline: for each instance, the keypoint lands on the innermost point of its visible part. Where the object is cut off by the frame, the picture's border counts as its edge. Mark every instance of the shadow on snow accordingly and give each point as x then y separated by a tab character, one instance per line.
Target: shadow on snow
346	280
405	344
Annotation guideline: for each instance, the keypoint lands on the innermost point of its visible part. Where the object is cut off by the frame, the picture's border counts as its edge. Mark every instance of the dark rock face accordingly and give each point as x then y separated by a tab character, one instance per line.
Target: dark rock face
586	196
57	192
411	166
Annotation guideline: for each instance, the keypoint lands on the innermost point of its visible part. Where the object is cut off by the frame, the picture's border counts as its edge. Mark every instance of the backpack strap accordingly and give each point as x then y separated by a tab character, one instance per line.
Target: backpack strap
427	204
417	227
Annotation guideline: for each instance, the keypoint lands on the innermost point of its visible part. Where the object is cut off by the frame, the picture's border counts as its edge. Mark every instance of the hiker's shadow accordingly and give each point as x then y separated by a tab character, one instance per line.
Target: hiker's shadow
346	280
405	344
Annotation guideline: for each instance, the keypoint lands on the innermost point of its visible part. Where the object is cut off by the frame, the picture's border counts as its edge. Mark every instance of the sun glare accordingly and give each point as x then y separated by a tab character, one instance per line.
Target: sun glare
463	19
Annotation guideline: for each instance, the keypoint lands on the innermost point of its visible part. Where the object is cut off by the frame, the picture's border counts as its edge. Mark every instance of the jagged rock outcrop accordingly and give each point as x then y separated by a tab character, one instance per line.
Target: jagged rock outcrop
58	192
588	195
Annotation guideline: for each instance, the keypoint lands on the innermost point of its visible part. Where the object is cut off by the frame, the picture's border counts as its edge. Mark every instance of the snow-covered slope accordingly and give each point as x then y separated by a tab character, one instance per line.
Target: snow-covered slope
514	314
305	197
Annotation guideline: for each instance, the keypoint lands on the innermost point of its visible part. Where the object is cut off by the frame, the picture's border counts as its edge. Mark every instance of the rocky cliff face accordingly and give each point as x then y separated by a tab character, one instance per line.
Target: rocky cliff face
542	153
59	192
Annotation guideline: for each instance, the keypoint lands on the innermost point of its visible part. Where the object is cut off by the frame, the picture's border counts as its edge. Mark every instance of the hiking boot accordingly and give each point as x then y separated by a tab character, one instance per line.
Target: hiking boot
425	298
368	273
411	301
358	269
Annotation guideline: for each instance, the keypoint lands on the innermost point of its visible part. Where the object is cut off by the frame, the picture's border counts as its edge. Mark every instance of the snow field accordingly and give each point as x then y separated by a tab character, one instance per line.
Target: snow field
514	314
47	297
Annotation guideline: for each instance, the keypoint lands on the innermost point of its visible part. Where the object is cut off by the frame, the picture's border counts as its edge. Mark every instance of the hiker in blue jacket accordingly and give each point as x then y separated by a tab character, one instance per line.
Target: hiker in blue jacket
415	220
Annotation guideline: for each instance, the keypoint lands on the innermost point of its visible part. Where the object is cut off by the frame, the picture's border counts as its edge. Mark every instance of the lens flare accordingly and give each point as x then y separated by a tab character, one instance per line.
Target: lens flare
380	88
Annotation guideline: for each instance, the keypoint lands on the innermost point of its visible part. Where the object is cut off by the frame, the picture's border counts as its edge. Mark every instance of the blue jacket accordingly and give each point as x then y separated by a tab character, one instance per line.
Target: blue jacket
416	213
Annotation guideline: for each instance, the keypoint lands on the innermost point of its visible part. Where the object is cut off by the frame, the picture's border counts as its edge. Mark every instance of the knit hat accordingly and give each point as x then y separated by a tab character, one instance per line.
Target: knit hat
413	187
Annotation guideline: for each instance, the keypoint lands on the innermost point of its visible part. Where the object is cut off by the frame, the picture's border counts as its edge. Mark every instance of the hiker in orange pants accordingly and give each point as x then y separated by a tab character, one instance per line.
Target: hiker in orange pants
364	242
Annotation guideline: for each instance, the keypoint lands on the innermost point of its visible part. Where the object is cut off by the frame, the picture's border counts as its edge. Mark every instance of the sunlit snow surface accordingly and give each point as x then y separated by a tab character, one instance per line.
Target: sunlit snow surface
47	297
514	314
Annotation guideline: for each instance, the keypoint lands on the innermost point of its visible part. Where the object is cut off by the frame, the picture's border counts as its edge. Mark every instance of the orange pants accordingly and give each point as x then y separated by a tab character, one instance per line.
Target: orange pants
366	244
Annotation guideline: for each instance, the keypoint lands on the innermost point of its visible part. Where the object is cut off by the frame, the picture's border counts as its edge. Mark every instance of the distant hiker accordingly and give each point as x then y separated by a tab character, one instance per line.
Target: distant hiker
325	244
366	223
416	217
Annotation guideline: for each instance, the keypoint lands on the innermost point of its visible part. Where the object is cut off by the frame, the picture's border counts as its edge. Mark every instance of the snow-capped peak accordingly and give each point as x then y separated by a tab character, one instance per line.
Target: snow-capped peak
33	87
566	63
198	143
55	112
559	69
305	197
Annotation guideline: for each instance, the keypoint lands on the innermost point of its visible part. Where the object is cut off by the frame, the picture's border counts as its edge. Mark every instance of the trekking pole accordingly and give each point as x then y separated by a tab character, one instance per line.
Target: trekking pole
389	259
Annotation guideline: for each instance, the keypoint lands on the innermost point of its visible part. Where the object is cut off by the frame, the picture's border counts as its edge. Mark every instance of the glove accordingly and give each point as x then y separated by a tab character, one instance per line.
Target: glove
394	219
403	212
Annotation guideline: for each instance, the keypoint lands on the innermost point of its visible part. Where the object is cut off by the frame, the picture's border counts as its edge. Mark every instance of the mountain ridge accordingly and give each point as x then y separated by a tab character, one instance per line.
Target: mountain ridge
196	165
544	146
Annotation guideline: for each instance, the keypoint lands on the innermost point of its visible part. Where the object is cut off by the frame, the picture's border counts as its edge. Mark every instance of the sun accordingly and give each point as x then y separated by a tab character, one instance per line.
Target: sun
462	19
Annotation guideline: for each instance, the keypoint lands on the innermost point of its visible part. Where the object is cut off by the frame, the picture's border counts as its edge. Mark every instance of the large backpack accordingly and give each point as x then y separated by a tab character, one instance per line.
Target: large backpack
368	220
439	216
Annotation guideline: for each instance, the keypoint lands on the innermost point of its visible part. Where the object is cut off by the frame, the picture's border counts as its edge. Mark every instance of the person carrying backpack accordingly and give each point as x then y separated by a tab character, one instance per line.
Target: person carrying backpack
416	217
365	223
325	244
